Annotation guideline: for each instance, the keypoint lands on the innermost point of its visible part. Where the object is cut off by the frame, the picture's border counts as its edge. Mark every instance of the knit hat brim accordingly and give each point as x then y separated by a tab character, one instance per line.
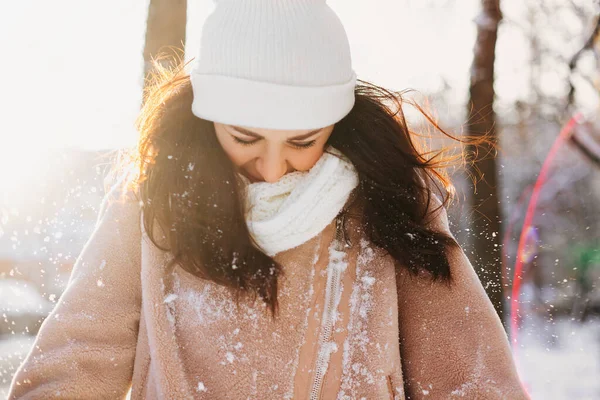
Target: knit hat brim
255	104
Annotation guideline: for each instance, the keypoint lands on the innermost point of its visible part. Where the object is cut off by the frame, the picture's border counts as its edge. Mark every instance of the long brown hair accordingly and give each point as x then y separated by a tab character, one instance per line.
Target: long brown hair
186	183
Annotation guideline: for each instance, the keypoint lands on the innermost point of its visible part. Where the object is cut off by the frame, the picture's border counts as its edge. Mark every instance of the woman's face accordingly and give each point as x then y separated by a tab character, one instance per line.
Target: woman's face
268	154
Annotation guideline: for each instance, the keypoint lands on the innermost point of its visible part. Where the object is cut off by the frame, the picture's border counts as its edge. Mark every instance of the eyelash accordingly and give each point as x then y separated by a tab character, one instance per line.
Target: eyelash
298	146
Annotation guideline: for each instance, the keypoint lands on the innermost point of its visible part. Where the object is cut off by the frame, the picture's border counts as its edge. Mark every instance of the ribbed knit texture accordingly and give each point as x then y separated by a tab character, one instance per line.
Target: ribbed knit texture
282	64
293	42
285	214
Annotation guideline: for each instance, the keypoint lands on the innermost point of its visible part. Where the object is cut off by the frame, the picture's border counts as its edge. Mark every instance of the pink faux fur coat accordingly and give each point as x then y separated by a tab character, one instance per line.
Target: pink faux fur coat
126	323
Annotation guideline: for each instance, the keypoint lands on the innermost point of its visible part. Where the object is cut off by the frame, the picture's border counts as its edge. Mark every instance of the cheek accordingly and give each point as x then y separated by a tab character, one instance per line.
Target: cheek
239	155
305	159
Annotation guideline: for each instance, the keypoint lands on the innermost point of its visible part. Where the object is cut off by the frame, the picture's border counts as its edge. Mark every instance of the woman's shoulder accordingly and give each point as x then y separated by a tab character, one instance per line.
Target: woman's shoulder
120	209
120	187
437	216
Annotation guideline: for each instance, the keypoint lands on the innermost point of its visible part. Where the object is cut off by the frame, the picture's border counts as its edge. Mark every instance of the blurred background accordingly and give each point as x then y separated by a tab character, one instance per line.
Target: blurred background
527	71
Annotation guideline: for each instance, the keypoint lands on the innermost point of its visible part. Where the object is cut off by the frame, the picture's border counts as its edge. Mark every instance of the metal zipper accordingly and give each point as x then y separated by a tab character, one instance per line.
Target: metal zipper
334	272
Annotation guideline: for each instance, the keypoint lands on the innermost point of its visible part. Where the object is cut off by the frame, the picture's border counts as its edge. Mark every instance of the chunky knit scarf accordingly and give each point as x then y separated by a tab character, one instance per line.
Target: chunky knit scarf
296	208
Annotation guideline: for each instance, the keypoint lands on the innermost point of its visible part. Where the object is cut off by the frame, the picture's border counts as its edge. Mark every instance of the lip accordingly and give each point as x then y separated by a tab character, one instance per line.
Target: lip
255	180
252	178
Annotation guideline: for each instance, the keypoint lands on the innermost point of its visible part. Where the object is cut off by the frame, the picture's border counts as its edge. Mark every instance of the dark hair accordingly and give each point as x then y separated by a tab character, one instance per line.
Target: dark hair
187	184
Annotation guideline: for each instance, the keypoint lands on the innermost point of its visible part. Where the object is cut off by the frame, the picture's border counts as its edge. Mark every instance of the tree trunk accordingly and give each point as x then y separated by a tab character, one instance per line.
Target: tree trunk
165	29
485	198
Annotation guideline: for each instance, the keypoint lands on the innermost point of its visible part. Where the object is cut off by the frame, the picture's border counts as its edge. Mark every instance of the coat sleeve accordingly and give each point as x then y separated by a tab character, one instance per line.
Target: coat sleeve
85	348
452	341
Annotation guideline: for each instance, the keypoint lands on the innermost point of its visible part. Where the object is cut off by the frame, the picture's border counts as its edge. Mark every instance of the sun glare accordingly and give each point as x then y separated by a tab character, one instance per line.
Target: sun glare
18	167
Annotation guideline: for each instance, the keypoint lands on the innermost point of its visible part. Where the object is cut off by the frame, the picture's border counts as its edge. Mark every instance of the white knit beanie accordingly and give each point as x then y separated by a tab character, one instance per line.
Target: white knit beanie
273	64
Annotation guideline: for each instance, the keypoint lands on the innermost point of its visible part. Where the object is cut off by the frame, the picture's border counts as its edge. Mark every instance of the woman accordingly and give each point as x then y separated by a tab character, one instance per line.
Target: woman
277	238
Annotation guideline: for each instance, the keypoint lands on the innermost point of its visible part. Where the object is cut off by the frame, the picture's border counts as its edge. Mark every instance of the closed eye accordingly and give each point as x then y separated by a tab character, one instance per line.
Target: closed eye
304	145
244	142
293	144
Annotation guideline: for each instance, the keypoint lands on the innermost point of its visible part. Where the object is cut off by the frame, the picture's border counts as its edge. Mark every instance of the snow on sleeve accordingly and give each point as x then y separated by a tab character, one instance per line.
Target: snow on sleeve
86	346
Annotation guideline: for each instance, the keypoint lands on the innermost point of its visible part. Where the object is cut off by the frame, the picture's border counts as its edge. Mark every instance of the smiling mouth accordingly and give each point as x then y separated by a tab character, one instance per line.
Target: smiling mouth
254	179
251	177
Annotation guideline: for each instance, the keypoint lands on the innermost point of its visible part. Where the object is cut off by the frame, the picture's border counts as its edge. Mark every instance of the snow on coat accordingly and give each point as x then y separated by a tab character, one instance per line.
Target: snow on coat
127	322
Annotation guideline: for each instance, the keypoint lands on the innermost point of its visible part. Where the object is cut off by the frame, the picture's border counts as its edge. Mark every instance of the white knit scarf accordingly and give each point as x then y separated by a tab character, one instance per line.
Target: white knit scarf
296	208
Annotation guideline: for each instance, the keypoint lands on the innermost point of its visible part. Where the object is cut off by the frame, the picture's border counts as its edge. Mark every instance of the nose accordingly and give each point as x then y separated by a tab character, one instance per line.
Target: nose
272	166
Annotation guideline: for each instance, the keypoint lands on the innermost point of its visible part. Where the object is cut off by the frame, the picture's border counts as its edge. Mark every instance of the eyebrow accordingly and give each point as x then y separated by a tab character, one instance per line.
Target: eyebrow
257	136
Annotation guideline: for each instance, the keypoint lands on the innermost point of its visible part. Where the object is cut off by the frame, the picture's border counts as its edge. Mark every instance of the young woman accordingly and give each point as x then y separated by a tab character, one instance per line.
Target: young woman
278	237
